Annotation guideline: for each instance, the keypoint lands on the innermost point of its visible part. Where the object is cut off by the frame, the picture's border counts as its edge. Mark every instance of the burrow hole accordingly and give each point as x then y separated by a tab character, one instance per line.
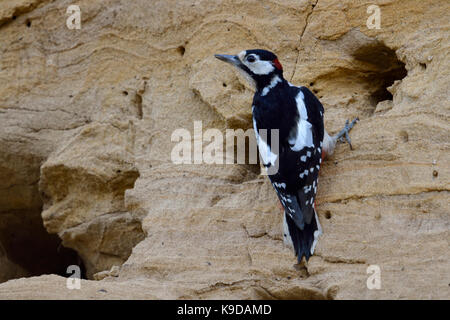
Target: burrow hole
388	68
27	244
26	248
181	50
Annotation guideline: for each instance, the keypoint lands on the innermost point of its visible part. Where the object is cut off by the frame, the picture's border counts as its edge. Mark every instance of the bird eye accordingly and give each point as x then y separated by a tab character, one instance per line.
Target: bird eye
251	59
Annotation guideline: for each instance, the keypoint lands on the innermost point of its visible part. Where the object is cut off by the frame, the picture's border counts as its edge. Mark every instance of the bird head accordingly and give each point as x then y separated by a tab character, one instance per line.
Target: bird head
257	66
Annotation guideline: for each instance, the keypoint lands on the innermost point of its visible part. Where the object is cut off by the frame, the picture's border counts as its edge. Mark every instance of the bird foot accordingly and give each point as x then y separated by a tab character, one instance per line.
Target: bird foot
343	134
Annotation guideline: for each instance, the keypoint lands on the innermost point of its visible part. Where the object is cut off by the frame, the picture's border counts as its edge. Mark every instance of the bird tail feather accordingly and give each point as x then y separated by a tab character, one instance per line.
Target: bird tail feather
304	241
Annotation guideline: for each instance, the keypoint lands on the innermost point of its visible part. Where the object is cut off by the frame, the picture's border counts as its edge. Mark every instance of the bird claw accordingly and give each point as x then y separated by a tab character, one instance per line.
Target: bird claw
343	134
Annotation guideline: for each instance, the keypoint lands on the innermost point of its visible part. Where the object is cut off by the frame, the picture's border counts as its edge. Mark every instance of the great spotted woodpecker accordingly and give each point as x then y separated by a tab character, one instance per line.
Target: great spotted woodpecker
302	143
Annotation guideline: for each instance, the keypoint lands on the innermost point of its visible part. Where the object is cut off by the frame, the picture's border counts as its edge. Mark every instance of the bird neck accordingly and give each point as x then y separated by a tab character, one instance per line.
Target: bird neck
267	82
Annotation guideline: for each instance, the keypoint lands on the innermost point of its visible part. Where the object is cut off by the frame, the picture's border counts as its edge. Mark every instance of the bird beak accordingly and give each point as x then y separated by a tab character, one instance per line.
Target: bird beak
233	60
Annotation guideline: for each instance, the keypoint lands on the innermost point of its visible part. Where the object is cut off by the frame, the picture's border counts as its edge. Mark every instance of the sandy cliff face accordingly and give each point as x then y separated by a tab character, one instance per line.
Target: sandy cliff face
85	164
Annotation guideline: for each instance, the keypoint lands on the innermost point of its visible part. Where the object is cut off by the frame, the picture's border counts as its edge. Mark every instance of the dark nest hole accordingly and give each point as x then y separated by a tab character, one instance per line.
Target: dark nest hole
28	245
24	241
384	69
181	50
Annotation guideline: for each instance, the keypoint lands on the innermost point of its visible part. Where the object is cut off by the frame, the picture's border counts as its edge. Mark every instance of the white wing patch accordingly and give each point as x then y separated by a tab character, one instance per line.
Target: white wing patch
304	137
267	156
280	185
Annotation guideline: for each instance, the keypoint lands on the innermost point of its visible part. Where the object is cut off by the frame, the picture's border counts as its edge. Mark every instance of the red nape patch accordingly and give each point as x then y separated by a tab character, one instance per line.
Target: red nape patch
277	64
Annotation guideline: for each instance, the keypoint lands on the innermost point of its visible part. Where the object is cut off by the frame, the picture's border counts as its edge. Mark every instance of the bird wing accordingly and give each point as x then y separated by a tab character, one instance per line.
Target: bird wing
300	161
290	203
296	183
299	116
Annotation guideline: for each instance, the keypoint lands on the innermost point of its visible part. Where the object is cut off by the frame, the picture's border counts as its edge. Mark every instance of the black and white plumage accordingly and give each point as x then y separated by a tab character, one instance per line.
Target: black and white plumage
294	163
